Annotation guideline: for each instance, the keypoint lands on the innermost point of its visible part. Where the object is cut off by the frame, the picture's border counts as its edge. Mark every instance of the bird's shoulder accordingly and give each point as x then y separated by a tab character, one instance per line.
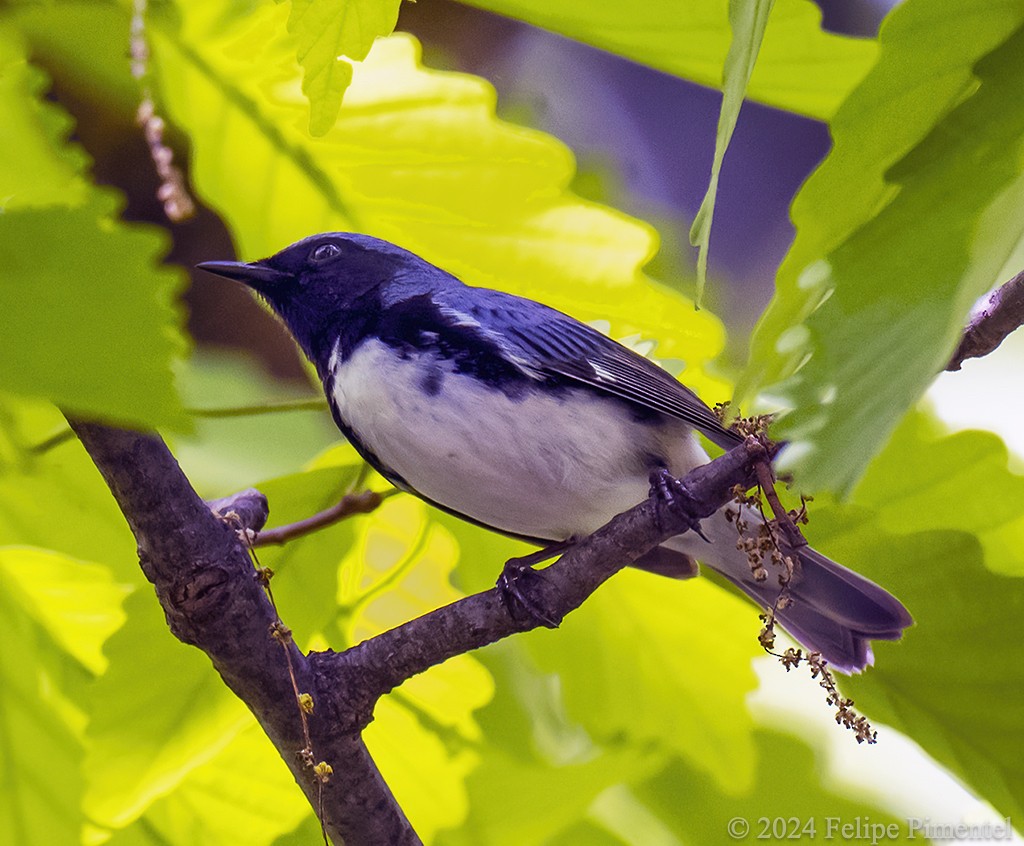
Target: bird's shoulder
435	321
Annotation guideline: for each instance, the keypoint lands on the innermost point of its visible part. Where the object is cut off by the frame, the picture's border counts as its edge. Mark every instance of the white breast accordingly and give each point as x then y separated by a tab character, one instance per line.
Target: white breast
536	465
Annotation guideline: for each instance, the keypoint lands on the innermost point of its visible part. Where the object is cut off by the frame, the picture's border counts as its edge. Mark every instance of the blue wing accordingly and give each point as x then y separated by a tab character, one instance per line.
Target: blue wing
543	342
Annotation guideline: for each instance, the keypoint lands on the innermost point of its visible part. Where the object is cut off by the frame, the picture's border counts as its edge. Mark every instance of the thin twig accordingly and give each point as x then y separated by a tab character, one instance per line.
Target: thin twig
988	328
311	404
62	436
55	440
355	503
303	700
766	480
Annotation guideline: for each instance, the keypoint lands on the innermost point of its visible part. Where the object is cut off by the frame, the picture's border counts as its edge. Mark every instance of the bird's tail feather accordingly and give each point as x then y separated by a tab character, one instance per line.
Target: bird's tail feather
831	610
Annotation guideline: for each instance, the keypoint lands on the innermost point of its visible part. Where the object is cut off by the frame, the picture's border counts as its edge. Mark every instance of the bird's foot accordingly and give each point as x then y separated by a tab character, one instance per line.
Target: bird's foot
672	493
519	585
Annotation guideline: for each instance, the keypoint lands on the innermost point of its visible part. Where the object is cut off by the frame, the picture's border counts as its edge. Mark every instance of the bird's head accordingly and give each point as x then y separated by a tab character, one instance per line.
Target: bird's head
315	282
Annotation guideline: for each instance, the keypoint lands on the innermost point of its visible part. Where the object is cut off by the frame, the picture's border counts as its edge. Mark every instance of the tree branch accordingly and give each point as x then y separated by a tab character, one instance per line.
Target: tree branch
354	503
213	599
383	662
208	588
1003	313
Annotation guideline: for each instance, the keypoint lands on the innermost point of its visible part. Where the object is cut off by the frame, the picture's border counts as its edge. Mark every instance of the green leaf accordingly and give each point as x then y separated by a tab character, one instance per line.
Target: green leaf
632	662
88	318
661	661
326	31
367	574
76	603
307	832
416	157
548	798
955	682
747	22
922	469
99	62
909	220
57	500
788	800
531	750
423	735
218	455
426	775
243	796
801	69
99	331
36	166
50	648
159	712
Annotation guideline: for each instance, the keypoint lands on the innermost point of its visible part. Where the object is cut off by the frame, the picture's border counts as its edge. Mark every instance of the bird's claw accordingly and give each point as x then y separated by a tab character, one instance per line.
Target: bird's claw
517	586
673	494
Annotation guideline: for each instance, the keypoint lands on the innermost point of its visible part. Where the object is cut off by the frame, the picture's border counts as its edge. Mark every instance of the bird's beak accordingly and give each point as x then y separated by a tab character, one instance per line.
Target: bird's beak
255	275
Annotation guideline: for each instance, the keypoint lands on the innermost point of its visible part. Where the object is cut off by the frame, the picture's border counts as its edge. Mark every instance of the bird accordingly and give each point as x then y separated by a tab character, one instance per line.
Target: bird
524	420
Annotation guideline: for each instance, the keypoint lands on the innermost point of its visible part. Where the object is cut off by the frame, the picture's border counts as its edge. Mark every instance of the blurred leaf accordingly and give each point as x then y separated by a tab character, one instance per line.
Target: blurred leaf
305	834
539	771
922	470
651	662
50	649
399	570
416	157
482	553
99	63
226	454
244	796
661	661
517	801
801	69
586	833
954	684
88	318
619	812
37	167
423	735
909	220
326	31
788	802
747	22
370	573
58	500
925	69
158	713
426	774
77	604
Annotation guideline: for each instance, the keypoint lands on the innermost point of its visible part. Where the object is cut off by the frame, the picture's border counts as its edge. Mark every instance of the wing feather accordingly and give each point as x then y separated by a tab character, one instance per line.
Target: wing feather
556	344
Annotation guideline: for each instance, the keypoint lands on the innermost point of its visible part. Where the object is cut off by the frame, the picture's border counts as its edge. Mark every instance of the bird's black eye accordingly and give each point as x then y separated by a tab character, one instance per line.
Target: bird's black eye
325	252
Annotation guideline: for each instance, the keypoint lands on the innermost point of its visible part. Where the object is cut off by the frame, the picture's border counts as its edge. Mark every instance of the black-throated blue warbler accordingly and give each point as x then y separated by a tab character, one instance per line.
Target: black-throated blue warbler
522	419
